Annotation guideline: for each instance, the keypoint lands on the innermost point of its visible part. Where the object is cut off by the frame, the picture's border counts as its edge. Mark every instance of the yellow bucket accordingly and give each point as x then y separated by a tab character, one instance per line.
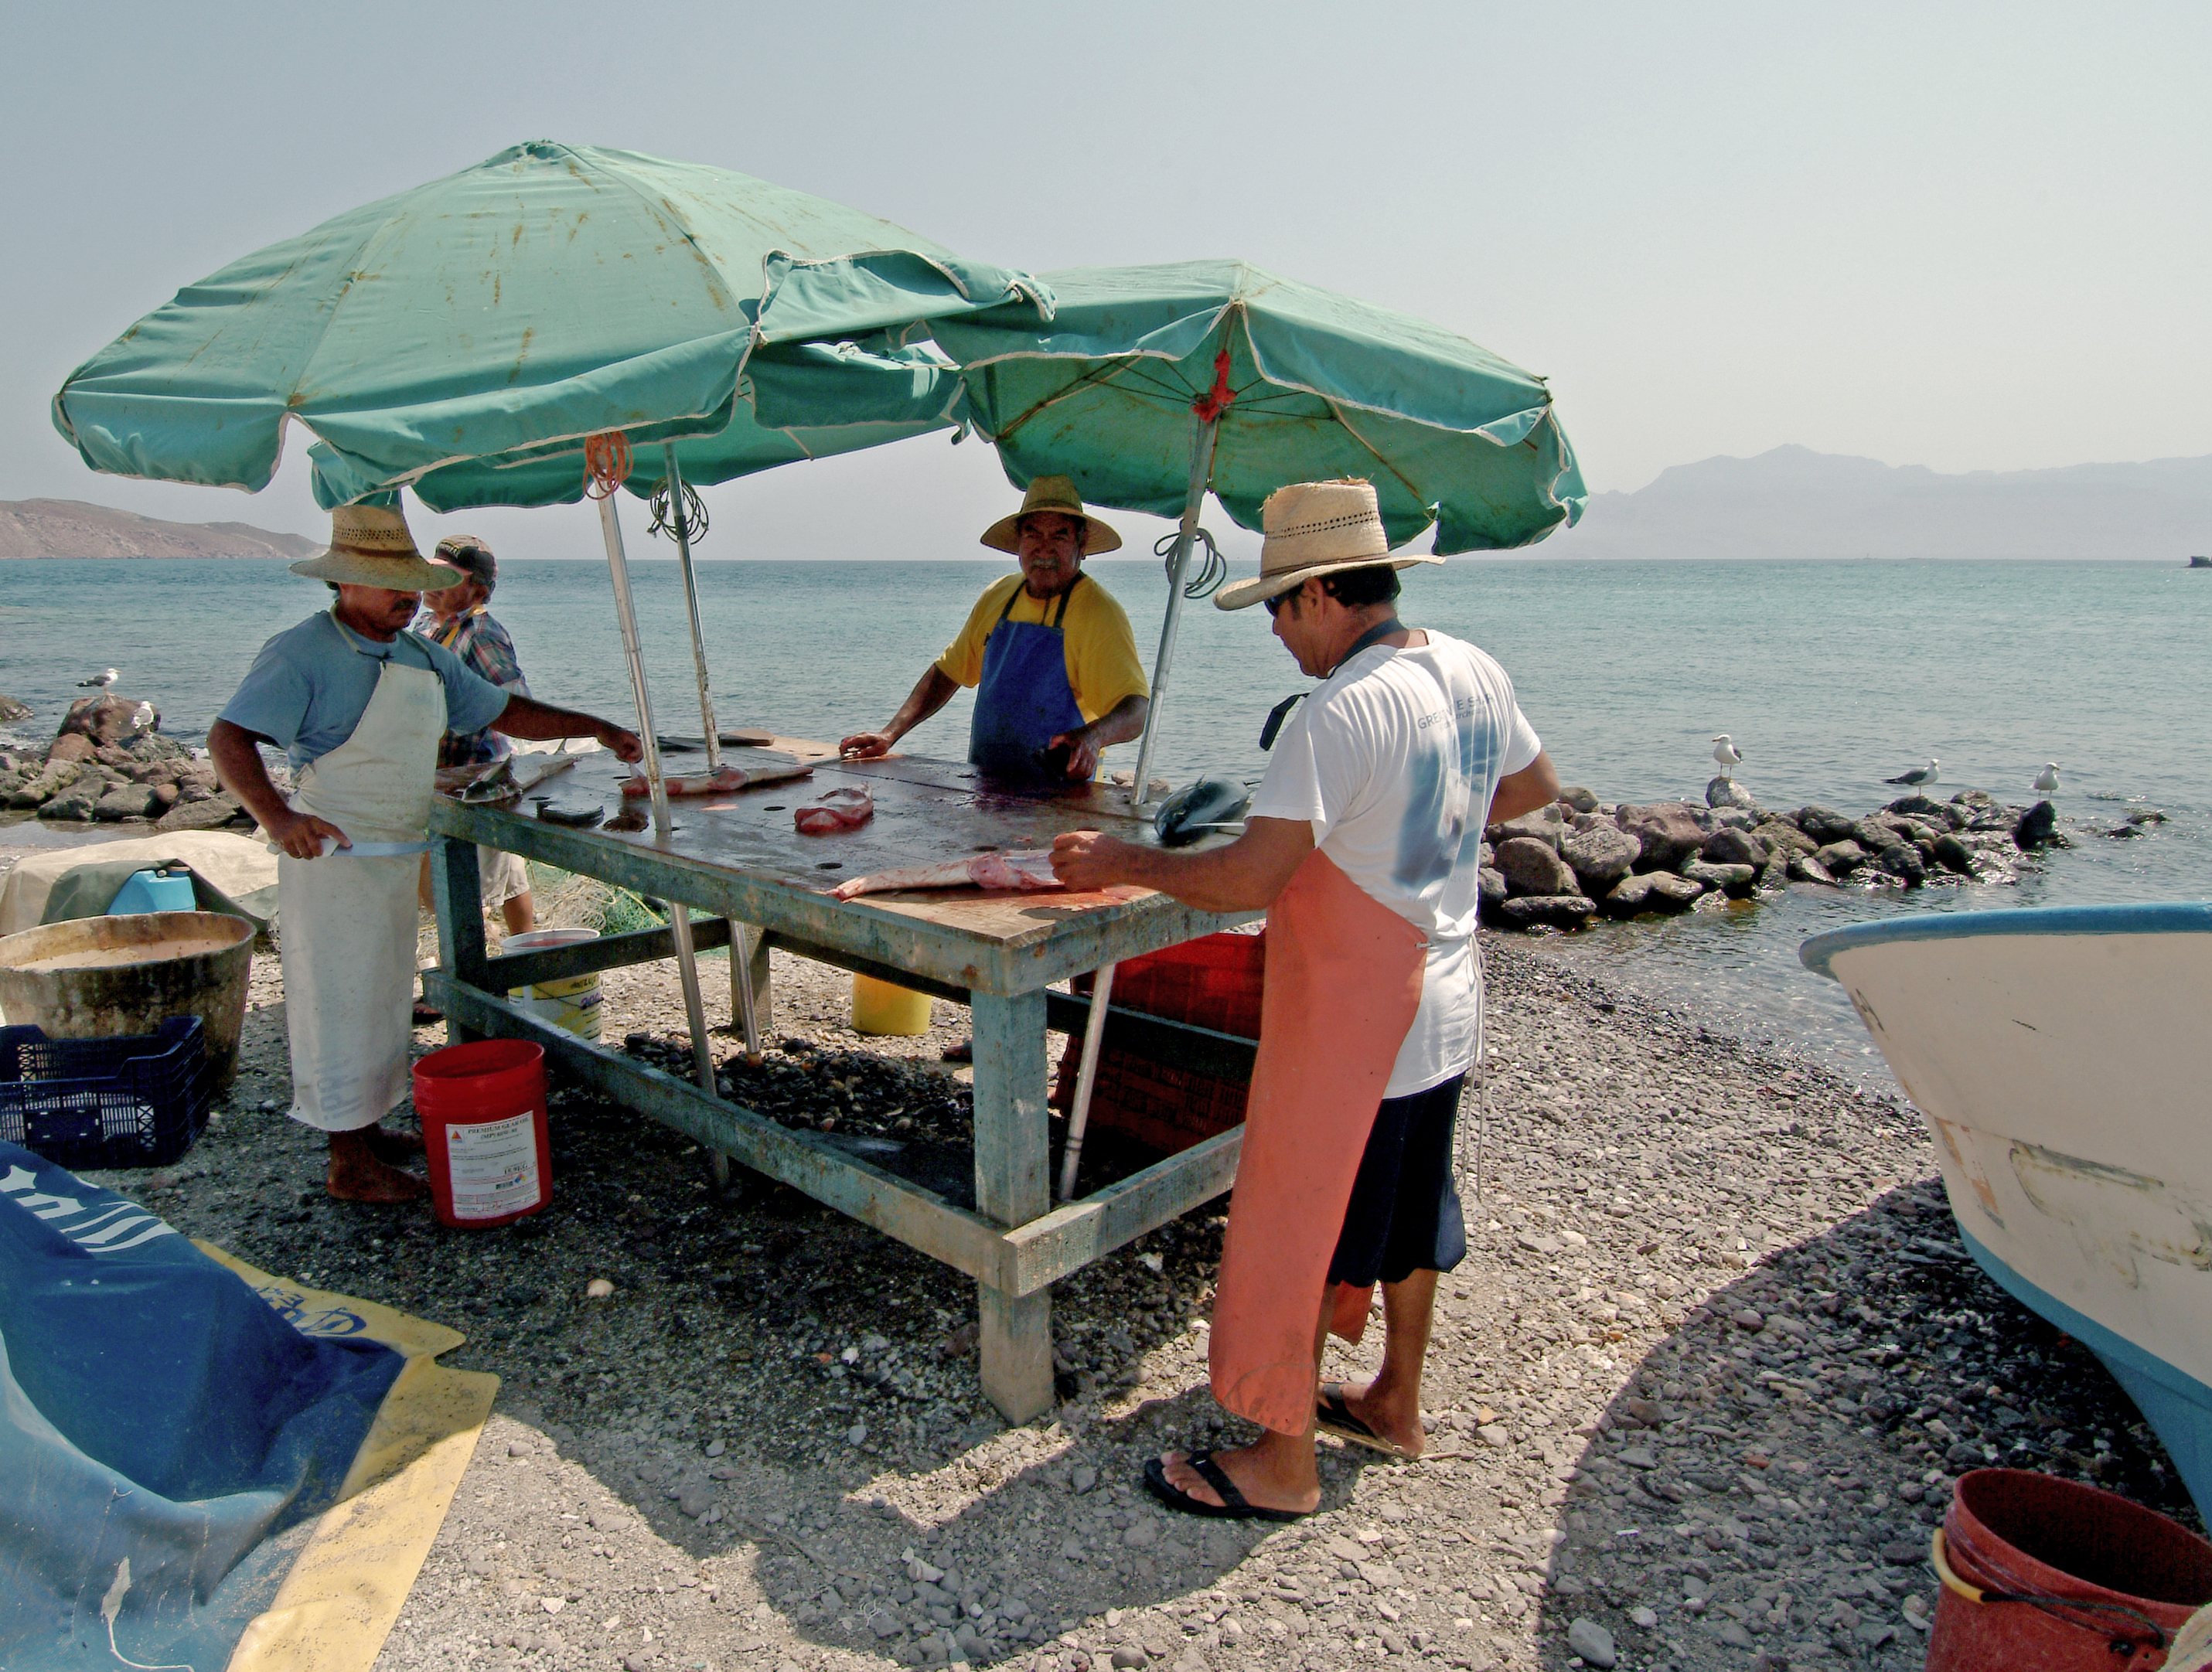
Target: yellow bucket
572	1004
880	1008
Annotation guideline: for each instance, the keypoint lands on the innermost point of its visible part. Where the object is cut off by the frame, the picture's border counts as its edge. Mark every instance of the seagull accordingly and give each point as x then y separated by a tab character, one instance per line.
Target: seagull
142	717
1726	754
1918	775
103	679
2046	781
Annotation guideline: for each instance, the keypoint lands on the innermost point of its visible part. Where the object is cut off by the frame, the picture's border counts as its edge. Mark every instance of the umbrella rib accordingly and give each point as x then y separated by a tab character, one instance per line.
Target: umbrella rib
1337	411
1096	375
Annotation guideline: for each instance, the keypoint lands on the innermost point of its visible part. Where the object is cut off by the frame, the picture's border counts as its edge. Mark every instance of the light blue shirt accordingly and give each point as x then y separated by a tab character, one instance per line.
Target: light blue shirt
310	685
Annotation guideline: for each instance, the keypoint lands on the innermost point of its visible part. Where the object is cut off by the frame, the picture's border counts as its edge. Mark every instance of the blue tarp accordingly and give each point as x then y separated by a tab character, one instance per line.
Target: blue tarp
154	1411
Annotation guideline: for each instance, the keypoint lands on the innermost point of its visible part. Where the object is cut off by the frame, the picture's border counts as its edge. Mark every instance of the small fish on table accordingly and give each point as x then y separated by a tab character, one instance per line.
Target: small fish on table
718	783
845	809
1029	871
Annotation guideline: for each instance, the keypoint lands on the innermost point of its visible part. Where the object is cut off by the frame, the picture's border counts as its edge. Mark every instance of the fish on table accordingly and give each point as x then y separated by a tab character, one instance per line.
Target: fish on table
714	783
842	809
1029	870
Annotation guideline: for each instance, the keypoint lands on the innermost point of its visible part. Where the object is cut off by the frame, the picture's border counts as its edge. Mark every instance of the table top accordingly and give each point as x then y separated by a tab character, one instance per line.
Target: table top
739	854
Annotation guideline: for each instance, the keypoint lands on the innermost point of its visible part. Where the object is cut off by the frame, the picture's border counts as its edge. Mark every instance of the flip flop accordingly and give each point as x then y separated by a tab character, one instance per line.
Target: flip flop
1233	1507
1333	1416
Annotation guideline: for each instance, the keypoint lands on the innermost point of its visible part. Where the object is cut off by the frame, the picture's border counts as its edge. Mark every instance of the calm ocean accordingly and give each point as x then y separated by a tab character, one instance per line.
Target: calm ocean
1831	676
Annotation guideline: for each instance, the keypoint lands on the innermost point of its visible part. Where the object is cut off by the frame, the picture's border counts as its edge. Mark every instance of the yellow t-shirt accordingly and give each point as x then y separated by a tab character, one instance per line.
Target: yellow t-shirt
1102	653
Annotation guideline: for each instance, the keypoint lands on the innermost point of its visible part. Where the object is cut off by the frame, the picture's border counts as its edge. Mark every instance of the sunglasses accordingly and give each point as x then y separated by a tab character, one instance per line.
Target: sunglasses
1274	605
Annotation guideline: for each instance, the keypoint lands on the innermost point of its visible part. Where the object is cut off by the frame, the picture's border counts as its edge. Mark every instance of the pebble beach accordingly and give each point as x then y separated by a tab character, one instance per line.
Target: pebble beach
1696	1398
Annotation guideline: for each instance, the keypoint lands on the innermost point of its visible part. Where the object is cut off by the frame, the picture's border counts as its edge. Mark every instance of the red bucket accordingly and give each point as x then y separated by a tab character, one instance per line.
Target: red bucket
2047	1573
483	1109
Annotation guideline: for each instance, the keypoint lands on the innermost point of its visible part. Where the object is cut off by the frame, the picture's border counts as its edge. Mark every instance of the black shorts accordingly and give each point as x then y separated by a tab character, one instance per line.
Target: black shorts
1404	1215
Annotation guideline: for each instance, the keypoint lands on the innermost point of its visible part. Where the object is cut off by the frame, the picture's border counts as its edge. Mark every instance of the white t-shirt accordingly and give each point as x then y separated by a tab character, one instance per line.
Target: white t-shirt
1394	759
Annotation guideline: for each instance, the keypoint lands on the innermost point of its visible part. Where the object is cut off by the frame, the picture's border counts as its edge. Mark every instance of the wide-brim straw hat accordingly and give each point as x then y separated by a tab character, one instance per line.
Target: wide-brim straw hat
1052	493
1314	528
370	546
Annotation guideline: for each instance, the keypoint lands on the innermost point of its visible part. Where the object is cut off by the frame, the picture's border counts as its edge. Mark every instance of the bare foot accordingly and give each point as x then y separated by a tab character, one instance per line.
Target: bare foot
1397	1420
1269	1473
393	1148
356	1174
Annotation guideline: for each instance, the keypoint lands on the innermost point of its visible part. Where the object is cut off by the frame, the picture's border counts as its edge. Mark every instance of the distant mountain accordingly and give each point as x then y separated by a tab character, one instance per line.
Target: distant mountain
1793	502
70	528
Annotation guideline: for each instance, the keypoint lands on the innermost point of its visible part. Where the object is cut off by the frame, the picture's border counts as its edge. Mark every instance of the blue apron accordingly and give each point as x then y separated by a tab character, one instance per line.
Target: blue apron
1023	700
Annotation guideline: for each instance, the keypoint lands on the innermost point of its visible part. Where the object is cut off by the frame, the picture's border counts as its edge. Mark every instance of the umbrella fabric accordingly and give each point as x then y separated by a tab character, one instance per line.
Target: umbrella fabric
475	329
1318	385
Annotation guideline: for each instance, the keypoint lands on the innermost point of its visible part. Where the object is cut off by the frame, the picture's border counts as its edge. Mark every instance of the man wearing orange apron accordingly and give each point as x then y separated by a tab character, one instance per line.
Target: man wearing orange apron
1362	844
359	703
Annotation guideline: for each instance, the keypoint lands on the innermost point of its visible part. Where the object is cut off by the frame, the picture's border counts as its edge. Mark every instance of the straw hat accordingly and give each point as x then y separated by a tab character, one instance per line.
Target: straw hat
1314	528
370	546
1051	493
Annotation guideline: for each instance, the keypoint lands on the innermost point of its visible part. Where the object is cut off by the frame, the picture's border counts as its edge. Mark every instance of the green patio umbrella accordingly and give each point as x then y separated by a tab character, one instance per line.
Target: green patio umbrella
479	337
1149	386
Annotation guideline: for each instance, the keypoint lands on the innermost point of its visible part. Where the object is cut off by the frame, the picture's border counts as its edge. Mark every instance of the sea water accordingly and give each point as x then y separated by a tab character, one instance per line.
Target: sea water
1830	677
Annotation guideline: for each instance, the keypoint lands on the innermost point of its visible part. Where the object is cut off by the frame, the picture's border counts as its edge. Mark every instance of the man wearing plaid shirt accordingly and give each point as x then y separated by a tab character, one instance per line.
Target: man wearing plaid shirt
457	619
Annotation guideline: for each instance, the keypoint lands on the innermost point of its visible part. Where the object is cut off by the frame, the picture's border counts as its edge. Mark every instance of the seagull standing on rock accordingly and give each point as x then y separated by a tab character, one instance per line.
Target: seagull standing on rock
103	679
1918	777
2046	781
1726	754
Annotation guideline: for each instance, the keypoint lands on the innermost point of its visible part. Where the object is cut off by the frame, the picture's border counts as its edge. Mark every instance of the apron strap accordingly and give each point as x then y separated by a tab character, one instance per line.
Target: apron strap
1281	711
1052	619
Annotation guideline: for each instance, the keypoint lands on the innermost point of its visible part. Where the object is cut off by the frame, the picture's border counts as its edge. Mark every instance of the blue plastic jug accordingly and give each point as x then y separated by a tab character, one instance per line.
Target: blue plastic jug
154	891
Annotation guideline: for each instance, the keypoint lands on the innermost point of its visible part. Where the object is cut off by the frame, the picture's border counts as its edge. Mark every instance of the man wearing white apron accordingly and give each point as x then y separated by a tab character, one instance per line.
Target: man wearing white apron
359	704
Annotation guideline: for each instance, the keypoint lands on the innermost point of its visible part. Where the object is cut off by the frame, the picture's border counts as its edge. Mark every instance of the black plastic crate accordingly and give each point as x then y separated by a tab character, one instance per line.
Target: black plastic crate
137	1102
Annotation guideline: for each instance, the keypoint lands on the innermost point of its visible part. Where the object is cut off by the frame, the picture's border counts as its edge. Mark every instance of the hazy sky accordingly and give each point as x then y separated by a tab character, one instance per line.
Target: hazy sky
1969	237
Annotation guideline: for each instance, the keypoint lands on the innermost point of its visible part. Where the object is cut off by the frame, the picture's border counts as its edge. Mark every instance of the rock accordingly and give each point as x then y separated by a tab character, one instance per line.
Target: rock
1085	1477
1666	834
1953	855
71	746
1902	1551
1495	1435
106	718
12	710
1600	856
1646	1618
54	778
2145	816
1734	847
2035	827
1670	893
1782	838
1549	911
1533	867
1807	868
1879	832
1491	883
1748	1318
1547	824
1902	860
1733	1635
1142	1535
1732	879
1824	824
165	796
127	801
205	814
1574	796
1942	814
1129	1654
75	804
1592	1642
1727	792
1842	859
598	1289
1630	894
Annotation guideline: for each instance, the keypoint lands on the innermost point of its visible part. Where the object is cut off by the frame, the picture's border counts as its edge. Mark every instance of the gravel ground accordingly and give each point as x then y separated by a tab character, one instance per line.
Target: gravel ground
1697	1394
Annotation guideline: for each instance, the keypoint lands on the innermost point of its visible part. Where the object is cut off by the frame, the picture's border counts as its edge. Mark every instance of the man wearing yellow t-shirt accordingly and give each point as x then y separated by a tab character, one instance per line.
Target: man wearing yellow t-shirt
1048	650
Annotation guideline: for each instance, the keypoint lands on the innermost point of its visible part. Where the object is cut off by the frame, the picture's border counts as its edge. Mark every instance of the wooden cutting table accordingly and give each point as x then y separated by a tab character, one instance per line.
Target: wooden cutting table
738	858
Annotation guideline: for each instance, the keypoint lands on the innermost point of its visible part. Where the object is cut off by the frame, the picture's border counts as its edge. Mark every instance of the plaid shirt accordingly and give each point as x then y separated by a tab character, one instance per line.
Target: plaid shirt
482	643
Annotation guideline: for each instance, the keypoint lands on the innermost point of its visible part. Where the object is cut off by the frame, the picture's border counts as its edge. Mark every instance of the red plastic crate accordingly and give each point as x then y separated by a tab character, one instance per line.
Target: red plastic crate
1212	982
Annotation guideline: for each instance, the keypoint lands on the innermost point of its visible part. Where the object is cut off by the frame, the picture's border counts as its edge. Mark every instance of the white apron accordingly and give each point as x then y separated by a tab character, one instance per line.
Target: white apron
346	924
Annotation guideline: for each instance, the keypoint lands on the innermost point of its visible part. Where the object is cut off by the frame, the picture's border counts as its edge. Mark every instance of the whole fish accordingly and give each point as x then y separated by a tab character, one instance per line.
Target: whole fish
846	809
1030	870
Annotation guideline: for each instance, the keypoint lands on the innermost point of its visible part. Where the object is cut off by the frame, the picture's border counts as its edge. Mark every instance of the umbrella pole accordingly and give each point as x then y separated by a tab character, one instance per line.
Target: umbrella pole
1086	1081
680	915
1202	469
692	606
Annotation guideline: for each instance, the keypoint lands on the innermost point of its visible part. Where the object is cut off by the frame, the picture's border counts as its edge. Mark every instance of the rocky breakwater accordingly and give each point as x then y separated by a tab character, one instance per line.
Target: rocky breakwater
109	763
1564	864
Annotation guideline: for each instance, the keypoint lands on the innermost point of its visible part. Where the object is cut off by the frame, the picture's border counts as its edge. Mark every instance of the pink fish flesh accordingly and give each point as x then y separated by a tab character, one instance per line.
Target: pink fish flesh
1030	870
836	809
715	783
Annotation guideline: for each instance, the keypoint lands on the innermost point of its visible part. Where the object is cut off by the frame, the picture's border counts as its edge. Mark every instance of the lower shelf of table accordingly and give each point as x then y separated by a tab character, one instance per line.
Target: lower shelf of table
1016	1261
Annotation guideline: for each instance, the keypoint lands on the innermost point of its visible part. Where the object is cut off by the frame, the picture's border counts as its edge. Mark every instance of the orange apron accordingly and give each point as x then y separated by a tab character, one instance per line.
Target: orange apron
1343	982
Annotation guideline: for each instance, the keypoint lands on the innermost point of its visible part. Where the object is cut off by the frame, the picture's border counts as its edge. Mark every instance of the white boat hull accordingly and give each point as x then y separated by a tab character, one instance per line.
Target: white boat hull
2062	1059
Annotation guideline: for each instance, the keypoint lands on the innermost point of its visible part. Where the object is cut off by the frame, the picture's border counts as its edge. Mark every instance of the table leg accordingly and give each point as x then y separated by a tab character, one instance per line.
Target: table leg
750	942
1012	1187
457	890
